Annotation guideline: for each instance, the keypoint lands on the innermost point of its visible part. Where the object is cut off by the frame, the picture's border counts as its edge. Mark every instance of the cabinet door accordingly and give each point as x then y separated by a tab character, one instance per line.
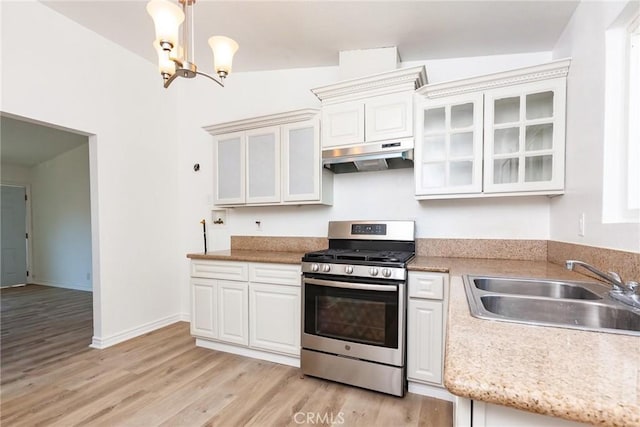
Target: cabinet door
524	137
388	117
263	165
448	153
342	124
301	161
232	312
274	312
424	341
230	168
204	300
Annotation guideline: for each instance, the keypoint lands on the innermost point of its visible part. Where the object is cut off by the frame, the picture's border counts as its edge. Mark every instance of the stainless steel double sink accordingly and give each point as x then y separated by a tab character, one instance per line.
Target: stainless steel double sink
558	303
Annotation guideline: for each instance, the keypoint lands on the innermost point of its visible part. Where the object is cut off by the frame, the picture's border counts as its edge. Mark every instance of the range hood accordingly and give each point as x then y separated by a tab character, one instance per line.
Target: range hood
370	156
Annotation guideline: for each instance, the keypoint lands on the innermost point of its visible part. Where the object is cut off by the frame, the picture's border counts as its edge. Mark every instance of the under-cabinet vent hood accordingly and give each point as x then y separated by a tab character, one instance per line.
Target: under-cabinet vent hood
370	157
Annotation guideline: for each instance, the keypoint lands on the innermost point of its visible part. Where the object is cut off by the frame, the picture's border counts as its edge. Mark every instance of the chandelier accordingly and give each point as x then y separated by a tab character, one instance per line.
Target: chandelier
177	60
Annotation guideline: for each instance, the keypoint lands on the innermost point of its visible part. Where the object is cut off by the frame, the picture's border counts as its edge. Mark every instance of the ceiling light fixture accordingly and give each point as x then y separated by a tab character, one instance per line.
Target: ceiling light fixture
175	59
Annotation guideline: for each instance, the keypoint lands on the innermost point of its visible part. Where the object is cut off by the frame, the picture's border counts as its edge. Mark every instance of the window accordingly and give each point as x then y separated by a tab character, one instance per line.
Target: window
633	165
621	196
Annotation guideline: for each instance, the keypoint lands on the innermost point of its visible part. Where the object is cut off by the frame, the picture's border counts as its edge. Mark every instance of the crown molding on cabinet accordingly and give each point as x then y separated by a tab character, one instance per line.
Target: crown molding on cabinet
262	121
401	80
550	70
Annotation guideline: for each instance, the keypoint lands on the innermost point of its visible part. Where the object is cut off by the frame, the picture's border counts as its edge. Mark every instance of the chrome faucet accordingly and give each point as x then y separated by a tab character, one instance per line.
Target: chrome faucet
625	292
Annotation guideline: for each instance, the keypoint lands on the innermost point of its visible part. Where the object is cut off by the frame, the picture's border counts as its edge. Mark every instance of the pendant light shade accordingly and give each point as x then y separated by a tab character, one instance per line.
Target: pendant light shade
165	64
223	50
167	18
176	54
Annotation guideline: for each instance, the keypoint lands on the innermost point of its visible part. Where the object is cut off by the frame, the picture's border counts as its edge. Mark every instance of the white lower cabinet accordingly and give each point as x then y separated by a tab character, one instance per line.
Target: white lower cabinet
426	314
251	309
424	360
232	305
275	318
475	413
204	299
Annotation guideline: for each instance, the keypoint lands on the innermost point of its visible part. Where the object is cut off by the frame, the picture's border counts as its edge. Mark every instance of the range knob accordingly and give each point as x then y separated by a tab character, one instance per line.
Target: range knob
373	271
386	272
326	268
315	267
348	269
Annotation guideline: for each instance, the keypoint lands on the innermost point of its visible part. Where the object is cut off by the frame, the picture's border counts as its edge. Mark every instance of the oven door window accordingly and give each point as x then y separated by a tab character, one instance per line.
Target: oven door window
361	316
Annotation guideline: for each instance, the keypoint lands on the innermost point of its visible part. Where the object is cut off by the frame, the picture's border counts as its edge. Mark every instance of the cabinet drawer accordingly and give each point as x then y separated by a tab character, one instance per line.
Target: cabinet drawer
226	270
277	274
426	285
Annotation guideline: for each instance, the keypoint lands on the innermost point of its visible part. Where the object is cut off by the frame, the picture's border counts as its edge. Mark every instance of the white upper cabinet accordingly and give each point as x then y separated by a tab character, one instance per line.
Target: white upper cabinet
388	117
230	170
263	165
369	109
448	151
270	160
524	137
301	163
500	134
343	124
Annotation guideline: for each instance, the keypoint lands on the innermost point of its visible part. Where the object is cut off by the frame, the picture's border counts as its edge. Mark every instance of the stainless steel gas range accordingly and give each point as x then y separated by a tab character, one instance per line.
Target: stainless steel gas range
354	305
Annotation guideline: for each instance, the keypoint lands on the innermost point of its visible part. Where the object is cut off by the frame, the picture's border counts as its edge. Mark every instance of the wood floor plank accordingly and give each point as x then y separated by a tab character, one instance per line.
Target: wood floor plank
51	377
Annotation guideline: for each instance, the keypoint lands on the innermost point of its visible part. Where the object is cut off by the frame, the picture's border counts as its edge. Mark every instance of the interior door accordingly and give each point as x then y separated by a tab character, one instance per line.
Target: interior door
14	242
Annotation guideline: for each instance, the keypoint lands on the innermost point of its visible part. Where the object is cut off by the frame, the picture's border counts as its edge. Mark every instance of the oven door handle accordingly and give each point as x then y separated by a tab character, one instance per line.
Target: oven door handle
347	285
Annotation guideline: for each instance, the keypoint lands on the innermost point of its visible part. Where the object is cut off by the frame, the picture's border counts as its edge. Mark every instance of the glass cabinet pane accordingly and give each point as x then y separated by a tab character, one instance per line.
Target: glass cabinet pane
433	175
506	110
505	171
539	105
538	168
261	164
434	147
539	137
461	116
461	144
506	140
434	120
229	170
461	173
301	161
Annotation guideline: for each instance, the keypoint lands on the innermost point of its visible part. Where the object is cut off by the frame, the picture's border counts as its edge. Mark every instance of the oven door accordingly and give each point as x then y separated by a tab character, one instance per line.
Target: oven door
354	319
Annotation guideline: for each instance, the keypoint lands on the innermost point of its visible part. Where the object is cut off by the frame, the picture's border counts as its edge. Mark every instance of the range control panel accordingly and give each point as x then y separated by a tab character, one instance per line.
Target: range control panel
369	229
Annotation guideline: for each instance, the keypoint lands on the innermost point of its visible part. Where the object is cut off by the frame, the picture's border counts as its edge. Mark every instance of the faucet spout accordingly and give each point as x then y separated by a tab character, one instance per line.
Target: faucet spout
612	278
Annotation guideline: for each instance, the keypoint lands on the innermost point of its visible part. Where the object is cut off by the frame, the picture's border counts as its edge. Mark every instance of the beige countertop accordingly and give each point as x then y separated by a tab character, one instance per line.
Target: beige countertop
583	376
251	256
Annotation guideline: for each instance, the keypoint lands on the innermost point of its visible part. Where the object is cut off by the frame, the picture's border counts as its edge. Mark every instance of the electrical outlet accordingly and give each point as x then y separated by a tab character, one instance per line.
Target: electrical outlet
581	224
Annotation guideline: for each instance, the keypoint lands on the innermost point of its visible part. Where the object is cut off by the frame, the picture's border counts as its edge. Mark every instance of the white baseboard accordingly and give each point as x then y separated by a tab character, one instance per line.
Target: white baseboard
249	352
185	317
101	343
73	286
431	391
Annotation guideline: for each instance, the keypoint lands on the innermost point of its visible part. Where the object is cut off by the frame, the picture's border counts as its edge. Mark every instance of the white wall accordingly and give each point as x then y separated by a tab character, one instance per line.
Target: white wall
86	83
584	41
15	174
382	195
61	221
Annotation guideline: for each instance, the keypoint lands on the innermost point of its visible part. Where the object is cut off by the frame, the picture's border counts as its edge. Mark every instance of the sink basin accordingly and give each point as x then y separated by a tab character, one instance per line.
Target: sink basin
544	302
568	312
532	287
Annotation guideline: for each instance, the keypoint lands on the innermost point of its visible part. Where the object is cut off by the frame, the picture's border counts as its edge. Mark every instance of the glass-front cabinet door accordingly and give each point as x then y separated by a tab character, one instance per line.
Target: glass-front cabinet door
448	153
524	137
263	165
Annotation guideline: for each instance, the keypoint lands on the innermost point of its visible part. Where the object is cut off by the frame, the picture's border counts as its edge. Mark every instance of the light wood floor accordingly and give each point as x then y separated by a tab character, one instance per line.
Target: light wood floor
50	377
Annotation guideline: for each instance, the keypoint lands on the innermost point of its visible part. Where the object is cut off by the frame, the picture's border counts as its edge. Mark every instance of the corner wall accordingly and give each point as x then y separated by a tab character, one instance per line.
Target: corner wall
61	221
117	98
584	41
